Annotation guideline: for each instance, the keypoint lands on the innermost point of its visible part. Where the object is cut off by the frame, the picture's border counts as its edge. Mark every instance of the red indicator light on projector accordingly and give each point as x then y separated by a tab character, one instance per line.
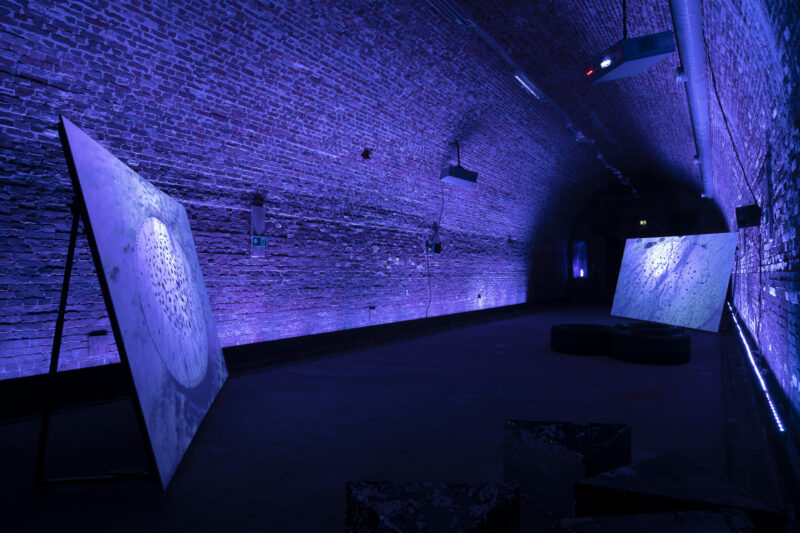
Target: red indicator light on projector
590	72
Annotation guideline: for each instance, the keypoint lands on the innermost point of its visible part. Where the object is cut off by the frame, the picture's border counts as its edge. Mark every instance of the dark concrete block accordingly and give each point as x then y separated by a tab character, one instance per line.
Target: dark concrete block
546	459
668	483
374	506
717	521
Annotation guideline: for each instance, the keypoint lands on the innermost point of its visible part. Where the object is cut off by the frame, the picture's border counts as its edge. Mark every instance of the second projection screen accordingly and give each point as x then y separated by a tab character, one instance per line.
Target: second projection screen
676	280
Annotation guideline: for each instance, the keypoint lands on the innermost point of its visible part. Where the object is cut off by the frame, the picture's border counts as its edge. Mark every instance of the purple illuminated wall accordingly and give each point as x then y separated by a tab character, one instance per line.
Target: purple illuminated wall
216	103
760	93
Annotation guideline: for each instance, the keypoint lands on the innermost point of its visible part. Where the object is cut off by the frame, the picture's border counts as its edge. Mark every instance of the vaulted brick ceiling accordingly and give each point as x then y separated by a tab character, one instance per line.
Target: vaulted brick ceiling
641	124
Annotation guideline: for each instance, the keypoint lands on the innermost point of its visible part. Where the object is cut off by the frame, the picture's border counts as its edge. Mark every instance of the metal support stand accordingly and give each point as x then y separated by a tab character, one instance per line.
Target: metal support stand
40	479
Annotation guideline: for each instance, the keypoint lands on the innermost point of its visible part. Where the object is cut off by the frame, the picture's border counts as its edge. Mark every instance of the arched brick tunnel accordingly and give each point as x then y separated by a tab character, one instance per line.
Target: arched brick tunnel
220	102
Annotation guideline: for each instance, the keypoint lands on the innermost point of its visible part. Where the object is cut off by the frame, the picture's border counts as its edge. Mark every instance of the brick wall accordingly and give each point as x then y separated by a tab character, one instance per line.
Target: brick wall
640	123
755	54
216	102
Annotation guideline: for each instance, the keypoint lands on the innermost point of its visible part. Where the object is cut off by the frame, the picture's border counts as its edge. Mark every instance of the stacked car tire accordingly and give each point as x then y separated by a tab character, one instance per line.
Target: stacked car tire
643	343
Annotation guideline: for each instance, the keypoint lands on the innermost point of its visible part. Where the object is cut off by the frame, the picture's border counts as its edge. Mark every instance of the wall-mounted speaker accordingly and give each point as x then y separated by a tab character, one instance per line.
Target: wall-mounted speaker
748	216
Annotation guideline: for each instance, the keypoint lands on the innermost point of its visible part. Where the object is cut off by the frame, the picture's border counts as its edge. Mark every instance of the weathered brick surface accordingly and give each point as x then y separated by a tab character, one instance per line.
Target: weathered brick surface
755	55
217	101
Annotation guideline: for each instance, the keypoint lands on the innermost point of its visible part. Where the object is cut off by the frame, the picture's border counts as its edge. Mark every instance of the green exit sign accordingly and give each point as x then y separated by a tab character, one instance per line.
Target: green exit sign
259	241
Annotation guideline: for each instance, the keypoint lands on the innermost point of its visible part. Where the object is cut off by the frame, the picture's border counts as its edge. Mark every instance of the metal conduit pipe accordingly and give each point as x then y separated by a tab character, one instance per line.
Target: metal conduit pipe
688	25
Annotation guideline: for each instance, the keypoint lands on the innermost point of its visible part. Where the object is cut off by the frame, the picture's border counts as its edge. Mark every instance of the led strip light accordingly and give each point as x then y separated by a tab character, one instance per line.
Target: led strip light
757	372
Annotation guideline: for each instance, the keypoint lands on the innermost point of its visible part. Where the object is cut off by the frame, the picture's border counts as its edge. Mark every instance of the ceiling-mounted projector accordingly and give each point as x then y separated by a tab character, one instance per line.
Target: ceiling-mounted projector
630	56
459	175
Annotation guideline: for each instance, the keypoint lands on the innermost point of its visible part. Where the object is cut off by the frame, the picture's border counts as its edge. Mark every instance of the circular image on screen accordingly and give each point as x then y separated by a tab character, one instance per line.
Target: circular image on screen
170	303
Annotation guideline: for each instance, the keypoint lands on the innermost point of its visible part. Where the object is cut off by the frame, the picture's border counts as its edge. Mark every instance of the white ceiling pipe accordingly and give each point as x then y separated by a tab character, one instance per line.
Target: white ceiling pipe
688	25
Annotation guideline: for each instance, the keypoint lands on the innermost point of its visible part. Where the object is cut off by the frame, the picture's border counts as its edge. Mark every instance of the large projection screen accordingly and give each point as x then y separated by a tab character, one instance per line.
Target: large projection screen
680	281
155	295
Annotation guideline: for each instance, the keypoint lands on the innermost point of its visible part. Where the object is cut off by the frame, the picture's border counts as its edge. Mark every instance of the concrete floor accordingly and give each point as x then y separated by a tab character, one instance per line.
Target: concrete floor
278	445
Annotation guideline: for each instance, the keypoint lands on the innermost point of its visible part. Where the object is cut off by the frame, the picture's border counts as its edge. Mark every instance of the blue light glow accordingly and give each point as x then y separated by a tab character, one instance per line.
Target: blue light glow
757	372
579	264
527	84
605	63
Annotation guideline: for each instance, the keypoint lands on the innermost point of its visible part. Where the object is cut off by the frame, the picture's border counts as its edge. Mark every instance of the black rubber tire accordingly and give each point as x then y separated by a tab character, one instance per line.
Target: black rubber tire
639	326
651	346
581	339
